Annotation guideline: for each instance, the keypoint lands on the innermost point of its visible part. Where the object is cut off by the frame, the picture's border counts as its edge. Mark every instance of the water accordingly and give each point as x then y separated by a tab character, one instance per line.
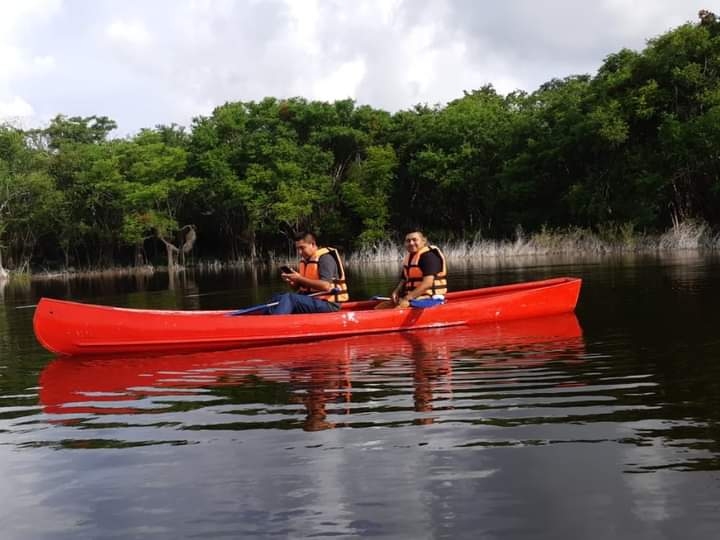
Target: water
603	424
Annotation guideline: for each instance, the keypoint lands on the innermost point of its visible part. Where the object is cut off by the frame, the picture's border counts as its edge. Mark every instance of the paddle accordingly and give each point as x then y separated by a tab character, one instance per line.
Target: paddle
259	307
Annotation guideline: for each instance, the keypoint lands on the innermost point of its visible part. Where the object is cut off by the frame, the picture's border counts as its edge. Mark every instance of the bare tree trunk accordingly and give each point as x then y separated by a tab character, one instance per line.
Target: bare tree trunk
175	253
141	255
172	252
189	241
253	248
3	272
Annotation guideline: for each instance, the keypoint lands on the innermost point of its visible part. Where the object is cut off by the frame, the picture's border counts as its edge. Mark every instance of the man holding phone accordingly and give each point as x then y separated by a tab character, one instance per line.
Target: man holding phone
319	280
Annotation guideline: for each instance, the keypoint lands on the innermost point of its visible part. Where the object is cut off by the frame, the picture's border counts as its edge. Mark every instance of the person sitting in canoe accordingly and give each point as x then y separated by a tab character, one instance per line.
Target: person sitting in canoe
424	273
319	280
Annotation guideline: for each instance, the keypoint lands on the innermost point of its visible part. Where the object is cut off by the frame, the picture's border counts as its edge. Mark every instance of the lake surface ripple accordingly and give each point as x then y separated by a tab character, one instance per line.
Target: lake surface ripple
600	424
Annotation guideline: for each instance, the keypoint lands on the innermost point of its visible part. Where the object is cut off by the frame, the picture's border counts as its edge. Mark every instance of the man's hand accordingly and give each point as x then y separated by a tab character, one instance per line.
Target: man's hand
290	278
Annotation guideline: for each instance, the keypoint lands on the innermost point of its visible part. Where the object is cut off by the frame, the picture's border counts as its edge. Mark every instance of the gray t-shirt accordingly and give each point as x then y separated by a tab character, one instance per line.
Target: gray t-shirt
327	268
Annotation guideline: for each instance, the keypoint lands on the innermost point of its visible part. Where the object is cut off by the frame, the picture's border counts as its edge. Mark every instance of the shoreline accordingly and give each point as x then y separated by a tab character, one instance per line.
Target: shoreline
567	245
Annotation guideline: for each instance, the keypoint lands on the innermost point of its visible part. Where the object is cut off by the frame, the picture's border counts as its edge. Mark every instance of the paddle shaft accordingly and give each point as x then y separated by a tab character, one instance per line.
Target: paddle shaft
272	304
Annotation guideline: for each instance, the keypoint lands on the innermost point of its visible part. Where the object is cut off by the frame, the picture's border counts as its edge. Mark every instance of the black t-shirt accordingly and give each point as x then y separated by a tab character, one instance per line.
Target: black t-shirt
430	264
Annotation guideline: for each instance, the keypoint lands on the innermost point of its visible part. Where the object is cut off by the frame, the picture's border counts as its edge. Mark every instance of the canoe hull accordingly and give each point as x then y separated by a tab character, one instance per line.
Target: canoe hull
70	328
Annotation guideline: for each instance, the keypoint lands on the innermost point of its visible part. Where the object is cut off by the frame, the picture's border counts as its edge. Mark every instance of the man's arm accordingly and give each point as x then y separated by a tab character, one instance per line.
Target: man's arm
327	272
395	294
425	285
296	281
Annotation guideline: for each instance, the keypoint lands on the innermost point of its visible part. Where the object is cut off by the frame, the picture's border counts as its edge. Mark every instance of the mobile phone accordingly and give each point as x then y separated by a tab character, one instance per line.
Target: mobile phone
286	270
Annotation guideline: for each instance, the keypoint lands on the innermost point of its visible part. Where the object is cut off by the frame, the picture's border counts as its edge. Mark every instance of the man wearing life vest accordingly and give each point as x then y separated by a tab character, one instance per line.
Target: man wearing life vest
424	271
319	280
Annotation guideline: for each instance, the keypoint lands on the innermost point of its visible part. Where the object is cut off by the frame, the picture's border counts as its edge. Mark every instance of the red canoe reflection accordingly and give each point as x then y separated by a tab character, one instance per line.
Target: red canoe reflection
114	385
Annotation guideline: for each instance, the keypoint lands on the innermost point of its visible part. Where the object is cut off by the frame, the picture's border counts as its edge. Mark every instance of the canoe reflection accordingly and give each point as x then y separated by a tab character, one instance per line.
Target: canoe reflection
312	374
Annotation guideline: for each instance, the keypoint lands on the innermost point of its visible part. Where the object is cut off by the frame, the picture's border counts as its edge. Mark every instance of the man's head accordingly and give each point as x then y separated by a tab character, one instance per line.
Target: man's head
305	244
415	240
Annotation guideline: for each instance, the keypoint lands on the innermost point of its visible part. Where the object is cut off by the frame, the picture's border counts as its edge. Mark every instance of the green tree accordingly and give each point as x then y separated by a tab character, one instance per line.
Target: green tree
155	189
78	130
29	200
367	192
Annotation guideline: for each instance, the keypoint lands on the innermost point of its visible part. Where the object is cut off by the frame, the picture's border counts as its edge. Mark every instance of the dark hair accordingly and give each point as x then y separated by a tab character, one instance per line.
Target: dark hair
305	235
411	230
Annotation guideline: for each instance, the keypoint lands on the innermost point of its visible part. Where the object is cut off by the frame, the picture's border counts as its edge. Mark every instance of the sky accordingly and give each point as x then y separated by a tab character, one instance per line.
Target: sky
145	63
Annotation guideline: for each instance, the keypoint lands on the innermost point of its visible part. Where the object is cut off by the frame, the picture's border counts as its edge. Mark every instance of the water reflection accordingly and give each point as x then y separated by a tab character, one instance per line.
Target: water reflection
265	387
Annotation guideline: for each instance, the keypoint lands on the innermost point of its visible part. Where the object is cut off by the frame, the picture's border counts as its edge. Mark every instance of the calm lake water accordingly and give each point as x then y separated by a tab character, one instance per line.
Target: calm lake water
604	424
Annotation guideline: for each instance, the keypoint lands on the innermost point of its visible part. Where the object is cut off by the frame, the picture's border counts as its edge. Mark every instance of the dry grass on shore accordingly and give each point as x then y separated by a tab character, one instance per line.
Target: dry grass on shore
567	242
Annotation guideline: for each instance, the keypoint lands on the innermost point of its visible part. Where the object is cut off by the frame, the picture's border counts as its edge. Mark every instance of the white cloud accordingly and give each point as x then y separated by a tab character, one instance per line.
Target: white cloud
132	33
18	22
144	63
16	15
10	62
303	24
15	108
340	83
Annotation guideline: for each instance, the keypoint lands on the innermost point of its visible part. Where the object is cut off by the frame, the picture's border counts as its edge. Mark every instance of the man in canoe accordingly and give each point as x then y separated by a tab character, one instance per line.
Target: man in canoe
424	272
319	281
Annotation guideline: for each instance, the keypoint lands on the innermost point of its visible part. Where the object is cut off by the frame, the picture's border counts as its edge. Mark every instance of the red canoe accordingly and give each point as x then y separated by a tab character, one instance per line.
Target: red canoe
72	328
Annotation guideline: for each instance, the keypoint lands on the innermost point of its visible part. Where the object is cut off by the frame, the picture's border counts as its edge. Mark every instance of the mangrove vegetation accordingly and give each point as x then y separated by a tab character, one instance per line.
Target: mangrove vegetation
629	152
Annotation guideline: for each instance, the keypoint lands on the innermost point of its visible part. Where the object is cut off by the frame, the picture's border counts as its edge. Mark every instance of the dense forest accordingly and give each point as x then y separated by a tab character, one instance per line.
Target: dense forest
636	147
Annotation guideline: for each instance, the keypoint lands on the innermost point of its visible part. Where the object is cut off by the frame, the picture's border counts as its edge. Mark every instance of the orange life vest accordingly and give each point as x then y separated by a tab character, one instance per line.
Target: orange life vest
309	268
413	274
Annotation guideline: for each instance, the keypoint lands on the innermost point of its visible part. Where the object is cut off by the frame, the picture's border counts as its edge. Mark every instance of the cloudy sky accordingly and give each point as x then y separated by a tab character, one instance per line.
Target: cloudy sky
144	63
